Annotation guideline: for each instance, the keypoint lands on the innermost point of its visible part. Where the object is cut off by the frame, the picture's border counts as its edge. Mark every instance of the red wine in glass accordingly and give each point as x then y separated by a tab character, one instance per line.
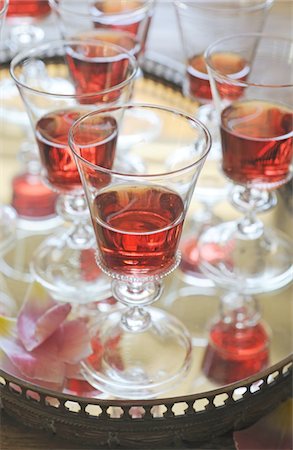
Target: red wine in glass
234	353
227	63
138	228
257	142
28	8
52	137
122	38
93	70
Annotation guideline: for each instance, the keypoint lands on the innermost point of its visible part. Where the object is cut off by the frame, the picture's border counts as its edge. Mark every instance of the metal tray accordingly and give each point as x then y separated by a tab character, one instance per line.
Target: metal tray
196	410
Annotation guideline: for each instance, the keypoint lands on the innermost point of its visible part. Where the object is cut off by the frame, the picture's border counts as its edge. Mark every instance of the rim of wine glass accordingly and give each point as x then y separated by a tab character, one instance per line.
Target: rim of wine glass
186	5
3	8
209	50
125	106
52	48
146	6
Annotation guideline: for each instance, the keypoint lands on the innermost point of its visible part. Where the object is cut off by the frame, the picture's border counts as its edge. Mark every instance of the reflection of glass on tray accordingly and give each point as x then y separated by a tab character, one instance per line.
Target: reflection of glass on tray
195	309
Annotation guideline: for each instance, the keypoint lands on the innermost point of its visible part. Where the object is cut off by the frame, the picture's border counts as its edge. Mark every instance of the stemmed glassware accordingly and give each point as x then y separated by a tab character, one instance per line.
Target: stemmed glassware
255	119
201	23
138	351
121	22
75	77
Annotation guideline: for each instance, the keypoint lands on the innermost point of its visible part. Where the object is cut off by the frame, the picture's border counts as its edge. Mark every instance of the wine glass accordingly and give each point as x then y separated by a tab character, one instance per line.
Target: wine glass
138	351
201	23
125	23
255	118
79	75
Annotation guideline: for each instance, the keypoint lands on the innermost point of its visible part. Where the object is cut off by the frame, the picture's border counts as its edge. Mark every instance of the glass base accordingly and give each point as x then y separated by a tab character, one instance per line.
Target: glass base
138	365
8	219
252	266
70	274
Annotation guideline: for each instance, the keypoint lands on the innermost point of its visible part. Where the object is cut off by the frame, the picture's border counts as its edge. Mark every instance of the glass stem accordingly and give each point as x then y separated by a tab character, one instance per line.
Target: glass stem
136	319
136	294
251	201
74	208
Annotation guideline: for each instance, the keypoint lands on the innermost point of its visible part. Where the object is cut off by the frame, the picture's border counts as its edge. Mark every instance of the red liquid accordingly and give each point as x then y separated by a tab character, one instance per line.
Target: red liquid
138	228
234	354
93	70
257	142
28	8
31	198
226	63
52	137
136	25
118	37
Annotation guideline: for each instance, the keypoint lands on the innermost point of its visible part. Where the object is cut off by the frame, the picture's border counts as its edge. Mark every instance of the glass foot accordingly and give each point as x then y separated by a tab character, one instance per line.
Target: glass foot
252	266
70	274
138	365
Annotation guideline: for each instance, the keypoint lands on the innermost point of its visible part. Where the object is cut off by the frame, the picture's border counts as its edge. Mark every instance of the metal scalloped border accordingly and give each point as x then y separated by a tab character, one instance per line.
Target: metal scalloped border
143	424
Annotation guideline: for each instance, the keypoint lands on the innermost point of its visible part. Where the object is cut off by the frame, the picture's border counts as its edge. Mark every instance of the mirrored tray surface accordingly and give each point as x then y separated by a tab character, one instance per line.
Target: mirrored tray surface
198	407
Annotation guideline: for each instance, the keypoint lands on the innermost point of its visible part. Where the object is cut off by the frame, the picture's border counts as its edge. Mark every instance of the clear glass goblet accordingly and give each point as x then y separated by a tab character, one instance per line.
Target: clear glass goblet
138	351
201	23
255	119
76	76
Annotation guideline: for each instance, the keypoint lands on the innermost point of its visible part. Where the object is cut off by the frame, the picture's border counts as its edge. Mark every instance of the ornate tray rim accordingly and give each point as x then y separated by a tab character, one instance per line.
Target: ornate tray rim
259	393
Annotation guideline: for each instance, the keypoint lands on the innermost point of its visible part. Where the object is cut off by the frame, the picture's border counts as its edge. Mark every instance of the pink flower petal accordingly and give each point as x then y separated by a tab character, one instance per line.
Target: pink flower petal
36	364
10	368
39	317
74	341
73	371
